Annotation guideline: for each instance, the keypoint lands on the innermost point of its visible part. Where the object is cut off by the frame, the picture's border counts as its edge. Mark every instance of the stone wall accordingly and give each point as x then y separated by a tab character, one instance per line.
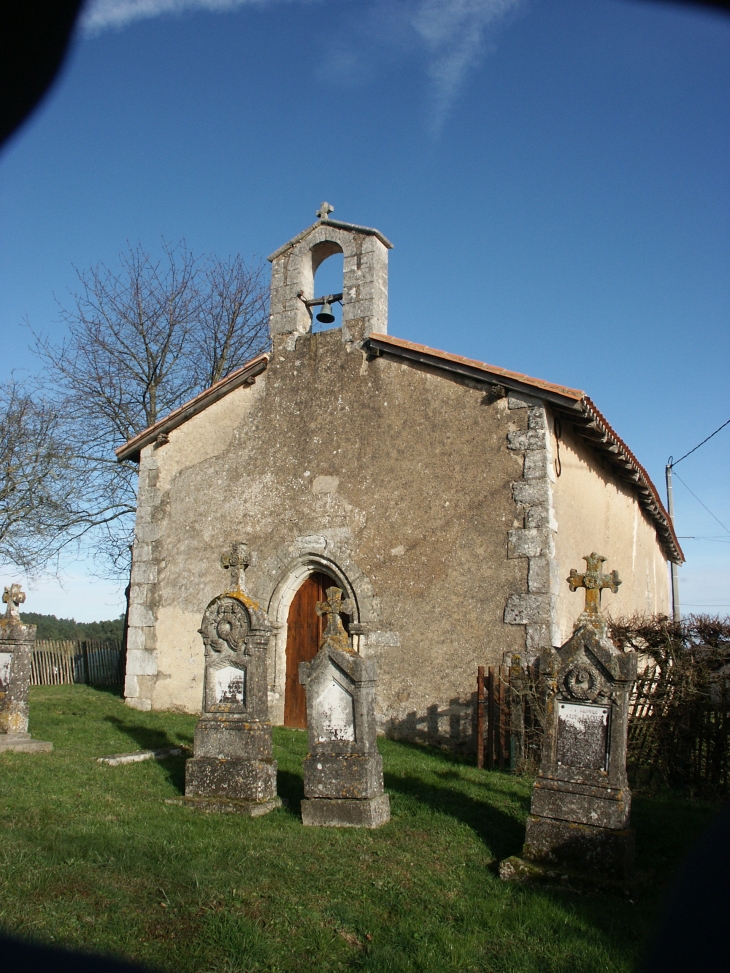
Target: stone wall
396	480
446	511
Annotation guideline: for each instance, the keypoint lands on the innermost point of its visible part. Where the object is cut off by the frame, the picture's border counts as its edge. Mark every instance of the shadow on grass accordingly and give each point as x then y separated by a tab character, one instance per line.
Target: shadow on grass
117	691
501	832
428	750
149	738
290	787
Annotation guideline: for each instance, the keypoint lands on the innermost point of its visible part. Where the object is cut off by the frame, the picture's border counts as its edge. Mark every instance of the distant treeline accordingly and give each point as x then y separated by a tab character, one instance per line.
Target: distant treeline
50	627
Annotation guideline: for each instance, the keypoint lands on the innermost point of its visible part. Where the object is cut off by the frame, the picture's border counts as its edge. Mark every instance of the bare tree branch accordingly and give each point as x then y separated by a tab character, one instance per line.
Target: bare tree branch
142	340
37	483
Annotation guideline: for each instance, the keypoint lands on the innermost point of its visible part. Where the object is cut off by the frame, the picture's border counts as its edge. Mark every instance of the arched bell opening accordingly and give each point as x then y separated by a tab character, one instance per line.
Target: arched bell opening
328	271
298	631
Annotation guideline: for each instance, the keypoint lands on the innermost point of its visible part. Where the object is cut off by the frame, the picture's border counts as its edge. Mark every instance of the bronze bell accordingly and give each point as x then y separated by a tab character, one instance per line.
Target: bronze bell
326	316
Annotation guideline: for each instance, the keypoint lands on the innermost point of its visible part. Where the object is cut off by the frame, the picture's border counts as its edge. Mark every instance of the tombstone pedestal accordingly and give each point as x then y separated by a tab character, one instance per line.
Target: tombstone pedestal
232	769
23	743
581	803
343	772
16	655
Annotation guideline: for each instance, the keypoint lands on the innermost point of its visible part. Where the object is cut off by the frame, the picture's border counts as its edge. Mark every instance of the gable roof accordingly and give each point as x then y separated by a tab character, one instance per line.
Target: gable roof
587	420
366	230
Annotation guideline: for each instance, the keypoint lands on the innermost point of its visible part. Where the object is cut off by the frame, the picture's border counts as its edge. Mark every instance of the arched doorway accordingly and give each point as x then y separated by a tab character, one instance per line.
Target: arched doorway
303	636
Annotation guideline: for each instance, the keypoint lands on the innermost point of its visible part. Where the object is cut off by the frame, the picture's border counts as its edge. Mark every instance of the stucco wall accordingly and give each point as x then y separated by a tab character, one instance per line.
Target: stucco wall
595	511
398	476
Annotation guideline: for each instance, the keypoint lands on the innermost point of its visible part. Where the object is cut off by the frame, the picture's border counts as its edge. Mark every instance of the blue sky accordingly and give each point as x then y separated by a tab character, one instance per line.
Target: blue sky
553	174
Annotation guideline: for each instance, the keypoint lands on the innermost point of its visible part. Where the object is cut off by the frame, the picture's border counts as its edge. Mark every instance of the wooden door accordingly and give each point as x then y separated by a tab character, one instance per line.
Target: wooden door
304	633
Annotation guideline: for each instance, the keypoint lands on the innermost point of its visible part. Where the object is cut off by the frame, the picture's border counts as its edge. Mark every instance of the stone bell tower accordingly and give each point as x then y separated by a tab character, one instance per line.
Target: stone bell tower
364	294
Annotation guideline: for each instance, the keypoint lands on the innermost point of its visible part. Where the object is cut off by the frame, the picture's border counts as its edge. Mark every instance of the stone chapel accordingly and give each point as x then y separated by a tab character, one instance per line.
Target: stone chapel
447	498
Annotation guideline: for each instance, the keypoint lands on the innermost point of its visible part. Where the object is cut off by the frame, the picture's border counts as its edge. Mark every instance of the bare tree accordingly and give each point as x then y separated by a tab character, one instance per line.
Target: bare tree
37	481
141	341
233	317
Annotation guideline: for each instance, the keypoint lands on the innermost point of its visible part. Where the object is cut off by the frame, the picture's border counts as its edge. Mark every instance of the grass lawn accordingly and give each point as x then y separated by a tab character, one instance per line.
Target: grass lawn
93	858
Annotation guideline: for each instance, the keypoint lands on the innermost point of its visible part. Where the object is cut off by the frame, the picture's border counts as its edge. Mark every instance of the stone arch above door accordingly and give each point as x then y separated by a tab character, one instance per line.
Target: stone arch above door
289	568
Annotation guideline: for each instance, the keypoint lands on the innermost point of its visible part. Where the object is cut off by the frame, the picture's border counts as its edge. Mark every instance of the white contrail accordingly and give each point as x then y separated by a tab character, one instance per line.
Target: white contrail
101	15
455	32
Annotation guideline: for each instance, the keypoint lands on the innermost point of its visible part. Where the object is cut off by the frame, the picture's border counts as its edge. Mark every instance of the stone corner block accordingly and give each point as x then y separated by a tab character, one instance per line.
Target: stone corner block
530	542
527	609
141	663
536	418
526	439
529	492
135	638
136	702
140	617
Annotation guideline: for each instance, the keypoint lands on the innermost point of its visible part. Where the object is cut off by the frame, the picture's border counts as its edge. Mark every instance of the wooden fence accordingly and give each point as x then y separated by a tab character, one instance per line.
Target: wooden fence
509	718
61	662
676	736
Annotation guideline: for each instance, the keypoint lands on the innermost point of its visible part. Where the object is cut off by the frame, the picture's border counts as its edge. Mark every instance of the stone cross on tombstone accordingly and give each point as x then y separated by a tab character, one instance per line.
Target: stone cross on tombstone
343	771
594	581
334	633
324	211
581	802
16	658
236	561
13	597
232	768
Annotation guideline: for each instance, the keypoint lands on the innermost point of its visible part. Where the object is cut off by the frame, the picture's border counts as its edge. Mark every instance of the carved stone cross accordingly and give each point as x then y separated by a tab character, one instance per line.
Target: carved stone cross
13	596
332	608
594	581
236	560
324	210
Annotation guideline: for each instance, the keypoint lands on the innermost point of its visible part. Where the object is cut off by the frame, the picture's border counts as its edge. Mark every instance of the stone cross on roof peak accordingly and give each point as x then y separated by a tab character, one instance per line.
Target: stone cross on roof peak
324	211
236	560
594	581
13	597
335	632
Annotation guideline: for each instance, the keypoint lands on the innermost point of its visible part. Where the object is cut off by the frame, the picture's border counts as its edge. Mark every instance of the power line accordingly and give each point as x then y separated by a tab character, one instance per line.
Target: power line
671	463
698	499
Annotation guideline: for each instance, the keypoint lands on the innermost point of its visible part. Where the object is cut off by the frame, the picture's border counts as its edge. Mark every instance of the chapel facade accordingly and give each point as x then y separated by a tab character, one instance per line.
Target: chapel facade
447	498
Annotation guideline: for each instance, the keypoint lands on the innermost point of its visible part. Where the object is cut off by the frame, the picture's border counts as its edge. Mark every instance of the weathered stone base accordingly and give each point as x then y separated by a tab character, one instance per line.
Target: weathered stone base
576	801
232	738
514	869
223	805
23	743
579	848
240	780
333	813
353	776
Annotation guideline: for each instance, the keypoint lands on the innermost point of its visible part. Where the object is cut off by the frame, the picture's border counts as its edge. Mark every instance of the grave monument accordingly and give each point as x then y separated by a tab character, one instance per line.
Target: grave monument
232	768
16	656
343	771
581	803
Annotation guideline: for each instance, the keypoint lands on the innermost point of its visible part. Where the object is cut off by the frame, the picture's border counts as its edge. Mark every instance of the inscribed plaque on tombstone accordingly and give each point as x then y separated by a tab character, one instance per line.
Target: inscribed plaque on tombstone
6	660
583	735
336	714
230	686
